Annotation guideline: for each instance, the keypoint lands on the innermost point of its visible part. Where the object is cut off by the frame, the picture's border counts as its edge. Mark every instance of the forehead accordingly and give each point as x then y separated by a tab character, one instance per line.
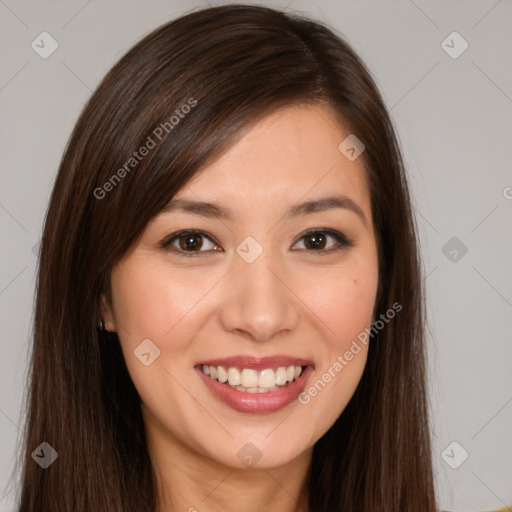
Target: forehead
287	156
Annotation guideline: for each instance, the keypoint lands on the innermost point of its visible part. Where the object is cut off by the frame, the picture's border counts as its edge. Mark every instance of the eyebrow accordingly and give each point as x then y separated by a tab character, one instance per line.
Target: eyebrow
212	210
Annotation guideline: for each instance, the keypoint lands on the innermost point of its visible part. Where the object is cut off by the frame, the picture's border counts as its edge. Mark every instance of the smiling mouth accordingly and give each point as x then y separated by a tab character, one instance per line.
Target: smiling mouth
249	380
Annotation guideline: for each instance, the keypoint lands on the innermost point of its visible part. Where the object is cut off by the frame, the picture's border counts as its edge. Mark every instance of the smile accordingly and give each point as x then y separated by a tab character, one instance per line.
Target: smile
253	385
249	380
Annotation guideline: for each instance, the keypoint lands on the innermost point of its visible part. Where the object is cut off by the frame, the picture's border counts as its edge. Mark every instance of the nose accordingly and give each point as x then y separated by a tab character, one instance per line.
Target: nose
259	303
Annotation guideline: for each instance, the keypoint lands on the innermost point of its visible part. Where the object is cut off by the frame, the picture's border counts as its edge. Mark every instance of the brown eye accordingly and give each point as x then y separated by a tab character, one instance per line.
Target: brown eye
315	241
318	239
192	241
188	242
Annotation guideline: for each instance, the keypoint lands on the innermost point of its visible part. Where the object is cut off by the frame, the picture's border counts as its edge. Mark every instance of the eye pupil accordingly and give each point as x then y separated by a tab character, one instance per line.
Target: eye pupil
190	241
315	241
318	240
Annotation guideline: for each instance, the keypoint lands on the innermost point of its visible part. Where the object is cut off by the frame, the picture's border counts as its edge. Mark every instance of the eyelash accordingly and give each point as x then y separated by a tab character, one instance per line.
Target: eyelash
343	241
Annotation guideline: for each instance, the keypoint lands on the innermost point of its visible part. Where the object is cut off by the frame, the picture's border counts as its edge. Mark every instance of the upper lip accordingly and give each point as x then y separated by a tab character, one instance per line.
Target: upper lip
257	363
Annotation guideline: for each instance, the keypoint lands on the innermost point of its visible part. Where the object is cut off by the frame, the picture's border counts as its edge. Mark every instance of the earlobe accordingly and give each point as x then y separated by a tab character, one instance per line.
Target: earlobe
106	317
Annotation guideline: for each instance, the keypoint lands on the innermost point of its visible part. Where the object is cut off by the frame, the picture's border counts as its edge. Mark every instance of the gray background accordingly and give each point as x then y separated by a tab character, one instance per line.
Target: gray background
453	117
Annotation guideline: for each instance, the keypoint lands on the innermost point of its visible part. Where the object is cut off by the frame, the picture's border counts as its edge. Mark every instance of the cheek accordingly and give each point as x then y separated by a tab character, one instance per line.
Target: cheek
344	300
149	301
343	297
354	302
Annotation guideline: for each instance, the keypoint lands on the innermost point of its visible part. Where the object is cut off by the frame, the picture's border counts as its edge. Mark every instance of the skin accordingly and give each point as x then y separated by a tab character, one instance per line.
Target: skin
291	300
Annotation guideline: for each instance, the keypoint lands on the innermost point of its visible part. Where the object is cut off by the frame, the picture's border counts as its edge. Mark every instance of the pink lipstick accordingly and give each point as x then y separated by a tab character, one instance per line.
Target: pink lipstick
255	385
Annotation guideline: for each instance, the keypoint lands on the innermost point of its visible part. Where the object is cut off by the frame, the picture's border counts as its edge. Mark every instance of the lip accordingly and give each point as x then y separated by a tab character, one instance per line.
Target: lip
257	363
256	403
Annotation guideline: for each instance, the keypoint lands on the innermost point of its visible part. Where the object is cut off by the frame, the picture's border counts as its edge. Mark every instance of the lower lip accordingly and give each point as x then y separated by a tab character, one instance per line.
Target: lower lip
259	403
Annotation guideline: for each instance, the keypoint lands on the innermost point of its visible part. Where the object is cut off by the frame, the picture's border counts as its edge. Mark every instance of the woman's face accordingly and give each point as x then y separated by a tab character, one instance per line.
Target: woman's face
254	295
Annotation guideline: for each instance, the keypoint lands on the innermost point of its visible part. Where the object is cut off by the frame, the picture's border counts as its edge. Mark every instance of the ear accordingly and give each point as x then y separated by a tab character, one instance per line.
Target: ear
106	314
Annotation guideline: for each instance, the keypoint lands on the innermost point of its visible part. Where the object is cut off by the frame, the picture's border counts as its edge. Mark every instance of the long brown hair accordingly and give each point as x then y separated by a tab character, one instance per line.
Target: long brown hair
231	66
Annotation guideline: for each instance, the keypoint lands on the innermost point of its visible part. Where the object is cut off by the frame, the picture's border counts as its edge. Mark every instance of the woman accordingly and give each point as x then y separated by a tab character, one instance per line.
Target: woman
229	307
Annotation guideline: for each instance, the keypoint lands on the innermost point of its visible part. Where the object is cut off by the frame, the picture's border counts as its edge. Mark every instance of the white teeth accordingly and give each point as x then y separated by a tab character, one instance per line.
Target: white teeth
267	378
281	376
254	390
222	374
234	377
250	380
